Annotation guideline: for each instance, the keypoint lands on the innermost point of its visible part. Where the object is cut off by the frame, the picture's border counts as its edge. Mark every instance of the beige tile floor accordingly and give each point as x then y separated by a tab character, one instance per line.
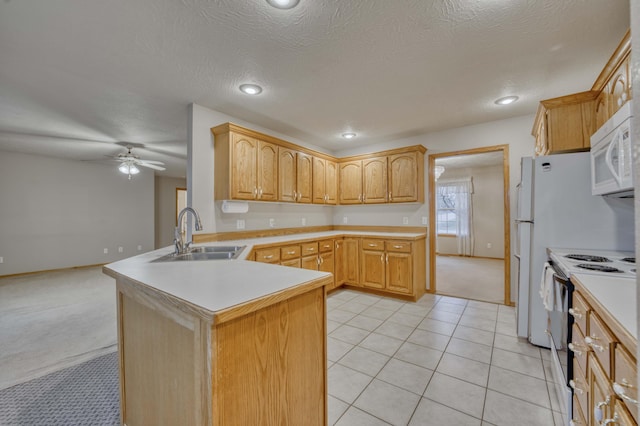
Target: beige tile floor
442	360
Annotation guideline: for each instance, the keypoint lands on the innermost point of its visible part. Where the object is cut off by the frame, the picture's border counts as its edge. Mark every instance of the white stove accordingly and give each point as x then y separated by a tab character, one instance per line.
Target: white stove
594	262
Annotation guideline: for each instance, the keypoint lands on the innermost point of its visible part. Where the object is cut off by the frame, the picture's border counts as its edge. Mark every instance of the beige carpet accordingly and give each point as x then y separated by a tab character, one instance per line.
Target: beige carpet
54	320
470	278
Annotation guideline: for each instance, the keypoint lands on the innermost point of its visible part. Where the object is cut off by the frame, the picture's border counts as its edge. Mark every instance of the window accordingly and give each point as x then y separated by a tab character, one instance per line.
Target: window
446	213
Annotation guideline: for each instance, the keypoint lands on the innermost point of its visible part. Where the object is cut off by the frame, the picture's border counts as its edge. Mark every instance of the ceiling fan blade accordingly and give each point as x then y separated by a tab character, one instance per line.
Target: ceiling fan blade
151	166
160	163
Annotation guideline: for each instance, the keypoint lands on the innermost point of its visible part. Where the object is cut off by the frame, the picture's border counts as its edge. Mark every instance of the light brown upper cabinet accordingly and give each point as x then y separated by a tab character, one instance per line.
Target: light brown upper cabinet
406	177
374	180
254	166
248	168
396	177
294	178
325	181
350	182
565	124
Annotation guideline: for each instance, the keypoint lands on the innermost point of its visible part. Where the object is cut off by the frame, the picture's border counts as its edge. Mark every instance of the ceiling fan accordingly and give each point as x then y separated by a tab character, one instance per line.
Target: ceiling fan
129	163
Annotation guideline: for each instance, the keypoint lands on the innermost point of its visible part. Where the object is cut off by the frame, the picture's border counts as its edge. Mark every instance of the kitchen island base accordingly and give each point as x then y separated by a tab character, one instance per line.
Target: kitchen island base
259	363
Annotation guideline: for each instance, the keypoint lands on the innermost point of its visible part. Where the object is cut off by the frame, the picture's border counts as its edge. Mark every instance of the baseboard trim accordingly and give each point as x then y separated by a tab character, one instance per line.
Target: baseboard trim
20	274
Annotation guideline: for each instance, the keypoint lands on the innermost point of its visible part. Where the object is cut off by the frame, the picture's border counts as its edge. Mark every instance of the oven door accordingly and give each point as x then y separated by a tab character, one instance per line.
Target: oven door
559	333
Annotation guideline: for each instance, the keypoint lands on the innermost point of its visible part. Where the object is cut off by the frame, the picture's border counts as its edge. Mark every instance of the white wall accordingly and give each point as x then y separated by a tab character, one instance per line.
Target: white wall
165	208
635	126
488	208
58	213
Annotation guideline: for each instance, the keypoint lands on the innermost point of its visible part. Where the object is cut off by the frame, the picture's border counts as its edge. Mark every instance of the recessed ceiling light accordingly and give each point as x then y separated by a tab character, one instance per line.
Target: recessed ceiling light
283	4
506	100
251	89
349	135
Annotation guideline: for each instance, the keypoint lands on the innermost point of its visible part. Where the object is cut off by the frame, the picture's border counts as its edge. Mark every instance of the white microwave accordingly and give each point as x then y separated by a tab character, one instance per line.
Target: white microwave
611	162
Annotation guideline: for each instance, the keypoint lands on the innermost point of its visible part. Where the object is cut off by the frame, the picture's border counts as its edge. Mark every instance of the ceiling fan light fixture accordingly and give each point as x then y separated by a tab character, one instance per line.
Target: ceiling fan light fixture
251	89
283	4
506	100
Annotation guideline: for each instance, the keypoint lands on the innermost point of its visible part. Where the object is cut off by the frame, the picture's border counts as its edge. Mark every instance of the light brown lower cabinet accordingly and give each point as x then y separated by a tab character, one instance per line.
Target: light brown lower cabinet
257	363
387	265
604	369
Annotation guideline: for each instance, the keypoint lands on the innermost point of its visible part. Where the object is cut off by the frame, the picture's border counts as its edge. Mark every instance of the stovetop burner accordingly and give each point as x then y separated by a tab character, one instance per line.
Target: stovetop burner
587	258
600	268
629	259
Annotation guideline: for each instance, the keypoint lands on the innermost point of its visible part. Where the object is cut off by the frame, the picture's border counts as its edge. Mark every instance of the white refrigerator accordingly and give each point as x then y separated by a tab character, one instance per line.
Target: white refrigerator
556	209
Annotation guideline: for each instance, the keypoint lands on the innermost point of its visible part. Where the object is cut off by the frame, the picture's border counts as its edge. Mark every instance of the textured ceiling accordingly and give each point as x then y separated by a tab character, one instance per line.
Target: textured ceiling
78	76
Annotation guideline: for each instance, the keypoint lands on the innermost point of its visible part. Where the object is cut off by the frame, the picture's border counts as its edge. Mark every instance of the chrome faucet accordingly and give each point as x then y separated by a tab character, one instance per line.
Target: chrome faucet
178	240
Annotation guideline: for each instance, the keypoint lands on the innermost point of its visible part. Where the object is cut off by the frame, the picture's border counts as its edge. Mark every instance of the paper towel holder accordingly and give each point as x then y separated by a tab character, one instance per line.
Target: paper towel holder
229	206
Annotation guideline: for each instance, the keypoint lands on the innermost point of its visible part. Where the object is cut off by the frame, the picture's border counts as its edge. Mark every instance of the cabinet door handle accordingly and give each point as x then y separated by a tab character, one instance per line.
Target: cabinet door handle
387	257
575	312
382	257
590	340
575	387
598	412
620	390
255	192
259	192
390	197
574	347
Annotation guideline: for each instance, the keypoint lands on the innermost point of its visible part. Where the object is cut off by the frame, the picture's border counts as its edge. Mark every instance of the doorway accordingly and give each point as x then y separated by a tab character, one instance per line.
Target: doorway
466	247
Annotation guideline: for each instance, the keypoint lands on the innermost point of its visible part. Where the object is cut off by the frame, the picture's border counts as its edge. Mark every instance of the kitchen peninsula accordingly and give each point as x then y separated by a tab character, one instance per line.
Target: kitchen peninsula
220	342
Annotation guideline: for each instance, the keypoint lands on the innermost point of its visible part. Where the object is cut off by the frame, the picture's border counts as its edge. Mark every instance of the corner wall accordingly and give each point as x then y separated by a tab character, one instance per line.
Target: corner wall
165	208
59	213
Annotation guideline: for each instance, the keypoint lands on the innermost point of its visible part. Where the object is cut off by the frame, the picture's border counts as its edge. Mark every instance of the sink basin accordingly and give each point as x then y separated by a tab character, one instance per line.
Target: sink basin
204	253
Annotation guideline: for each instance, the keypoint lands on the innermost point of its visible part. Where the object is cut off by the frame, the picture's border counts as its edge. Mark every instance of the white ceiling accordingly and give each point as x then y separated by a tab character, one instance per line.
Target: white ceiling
78	76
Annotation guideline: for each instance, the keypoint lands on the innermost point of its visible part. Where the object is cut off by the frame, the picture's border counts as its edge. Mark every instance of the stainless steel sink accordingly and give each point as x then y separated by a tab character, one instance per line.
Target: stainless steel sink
204	253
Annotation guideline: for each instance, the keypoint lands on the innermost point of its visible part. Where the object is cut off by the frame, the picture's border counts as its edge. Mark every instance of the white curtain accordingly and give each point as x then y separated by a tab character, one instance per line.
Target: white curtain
463	189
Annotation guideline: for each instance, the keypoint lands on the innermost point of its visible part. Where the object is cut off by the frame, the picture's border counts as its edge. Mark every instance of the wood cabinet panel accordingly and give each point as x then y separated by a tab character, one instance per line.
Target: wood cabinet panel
244	164
406	177
350	182
374	180
352	261
324	181
293	263
339	262
580	312
287	175
601	342
372	244
580	387
398	246
625	375
331	182
310	262
325	246
619	87
304	177
373	269
599	394
399	275
267	171
268	255
290	252
327	262
602	108
579	347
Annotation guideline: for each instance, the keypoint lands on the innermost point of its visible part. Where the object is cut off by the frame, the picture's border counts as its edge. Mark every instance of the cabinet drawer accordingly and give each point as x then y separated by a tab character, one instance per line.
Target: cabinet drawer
578	347
398	246
309	248
289	252
269	255
601	342
580	390
625	374
326	245
579	312
370	244
579	418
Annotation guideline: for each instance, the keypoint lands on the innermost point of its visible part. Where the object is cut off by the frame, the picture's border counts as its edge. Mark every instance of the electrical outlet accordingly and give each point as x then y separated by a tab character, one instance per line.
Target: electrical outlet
120	249
345	220
139	248
304	221
425	220
106	251
405	220
240	224
272	223
1	259
488	245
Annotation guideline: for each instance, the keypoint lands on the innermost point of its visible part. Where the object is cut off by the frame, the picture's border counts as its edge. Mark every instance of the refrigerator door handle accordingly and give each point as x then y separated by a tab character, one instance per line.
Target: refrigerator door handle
523	221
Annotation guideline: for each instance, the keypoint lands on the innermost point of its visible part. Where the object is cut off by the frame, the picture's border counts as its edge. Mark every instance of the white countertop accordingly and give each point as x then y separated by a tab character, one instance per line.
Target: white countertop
617	295
215	285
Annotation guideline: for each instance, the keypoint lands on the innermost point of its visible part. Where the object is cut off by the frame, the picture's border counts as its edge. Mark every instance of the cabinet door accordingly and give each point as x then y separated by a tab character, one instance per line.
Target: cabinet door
304	177
602	107
310	262
619	87
331	182
244	179
339	263
600	401
287	174
327	264
373	269
404	178
399	267
267	171
374	180
352	261
319	177
350	182
293	263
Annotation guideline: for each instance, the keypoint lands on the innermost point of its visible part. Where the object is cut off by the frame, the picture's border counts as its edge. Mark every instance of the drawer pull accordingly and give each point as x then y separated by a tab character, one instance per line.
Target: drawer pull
310	249
372	245
590	340
268	257
576	348
619	389
576	313
614	420
397	247
575	387
291	252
